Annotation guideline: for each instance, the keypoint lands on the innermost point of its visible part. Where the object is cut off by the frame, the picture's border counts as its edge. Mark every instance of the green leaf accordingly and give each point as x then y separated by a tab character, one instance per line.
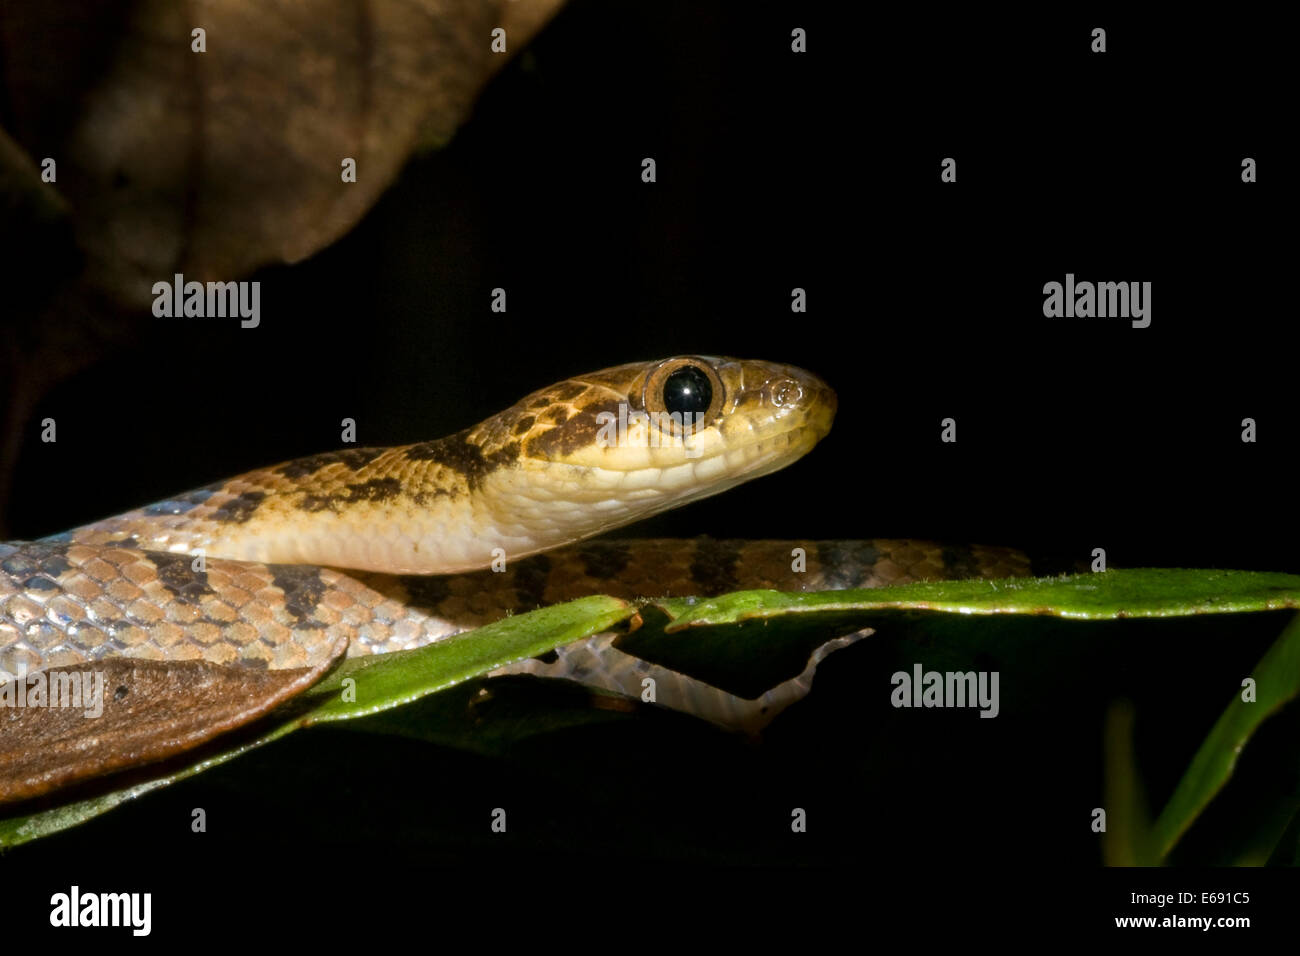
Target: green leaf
1138	592
385	681
381	683
773	632
1127	840
1277	682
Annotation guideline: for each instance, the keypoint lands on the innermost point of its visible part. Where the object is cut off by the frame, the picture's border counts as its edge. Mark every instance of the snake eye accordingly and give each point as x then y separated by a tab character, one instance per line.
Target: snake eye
686	392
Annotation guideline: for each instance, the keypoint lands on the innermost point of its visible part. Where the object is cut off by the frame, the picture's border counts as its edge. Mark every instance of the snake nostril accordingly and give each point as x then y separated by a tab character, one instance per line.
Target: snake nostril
786	393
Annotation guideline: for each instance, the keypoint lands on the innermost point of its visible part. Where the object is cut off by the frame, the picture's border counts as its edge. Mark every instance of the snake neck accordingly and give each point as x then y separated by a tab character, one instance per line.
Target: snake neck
426	508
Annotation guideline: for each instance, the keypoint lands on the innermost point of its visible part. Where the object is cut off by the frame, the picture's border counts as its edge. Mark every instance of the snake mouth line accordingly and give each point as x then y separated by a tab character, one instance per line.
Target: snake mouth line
722	463
706	476
775	454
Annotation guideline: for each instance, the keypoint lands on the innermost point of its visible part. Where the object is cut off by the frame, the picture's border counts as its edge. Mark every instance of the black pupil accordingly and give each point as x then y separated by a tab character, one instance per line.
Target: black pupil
687	391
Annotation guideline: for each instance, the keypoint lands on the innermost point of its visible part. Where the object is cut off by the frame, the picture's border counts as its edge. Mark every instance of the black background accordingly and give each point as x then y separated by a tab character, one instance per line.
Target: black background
925	301
777	171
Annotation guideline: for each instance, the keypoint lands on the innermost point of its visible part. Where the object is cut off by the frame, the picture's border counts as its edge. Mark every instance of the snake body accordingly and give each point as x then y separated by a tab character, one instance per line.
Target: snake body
376	550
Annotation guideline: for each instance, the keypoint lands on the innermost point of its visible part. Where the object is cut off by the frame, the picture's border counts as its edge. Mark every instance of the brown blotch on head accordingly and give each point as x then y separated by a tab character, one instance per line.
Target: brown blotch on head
524	424
557	414
576	432
566	391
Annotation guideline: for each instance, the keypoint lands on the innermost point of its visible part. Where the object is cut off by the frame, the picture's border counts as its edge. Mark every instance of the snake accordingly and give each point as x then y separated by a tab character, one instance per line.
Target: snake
252	588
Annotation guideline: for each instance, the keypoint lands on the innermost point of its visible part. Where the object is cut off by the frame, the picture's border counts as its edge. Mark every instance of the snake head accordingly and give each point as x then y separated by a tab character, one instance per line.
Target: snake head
598	451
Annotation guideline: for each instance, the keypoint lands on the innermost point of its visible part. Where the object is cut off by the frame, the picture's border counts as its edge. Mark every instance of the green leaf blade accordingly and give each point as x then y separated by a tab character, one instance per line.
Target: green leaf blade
1108	595
1277	683
390	680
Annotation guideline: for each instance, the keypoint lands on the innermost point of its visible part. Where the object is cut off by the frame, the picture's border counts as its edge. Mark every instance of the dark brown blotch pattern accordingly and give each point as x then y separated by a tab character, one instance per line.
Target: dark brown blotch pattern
352	458
177	574
604	559
575	433
374	490
714	567
459	454
240	508
566	391
531	576
303	589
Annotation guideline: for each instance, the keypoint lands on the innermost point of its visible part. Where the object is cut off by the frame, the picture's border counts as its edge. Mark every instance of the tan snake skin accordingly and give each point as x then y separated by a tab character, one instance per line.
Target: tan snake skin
73	604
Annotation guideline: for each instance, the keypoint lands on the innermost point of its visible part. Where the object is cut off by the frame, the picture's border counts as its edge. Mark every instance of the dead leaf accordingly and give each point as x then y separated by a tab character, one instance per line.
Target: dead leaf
214	164
151	710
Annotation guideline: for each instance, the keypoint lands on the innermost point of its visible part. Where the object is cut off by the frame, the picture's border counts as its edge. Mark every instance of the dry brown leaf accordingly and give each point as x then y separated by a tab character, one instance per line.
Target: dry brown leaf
150	710
214	164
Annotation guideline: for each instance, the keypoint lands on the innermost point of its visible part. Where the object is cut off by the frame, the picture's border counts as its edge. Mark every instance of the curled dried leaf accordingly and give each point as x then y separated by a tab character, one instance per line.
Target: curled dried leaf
132	712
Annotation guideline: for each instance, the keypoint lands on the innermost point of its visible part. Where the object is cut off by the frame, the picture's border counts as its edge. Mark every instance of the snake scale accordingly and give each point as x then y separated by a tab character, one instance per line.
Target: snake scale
374	550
